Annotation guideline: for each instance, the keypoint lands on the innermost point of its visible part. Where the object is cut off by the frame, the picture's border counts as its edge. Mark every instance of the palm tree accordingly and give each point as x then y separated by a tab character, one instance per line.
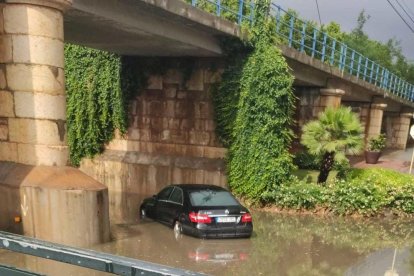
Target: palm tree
336	132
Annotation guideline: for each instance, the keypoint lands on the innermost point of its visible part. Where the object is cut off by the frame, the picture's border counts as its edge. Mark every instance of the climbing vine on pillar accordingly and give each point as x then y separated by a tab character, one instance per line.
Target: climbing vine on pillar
257	114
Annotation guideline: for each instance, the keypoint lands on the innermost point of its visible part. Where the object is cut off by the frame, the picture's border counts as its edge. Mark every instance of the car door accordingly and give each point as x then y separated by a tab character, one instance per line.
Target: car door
174	205
162	203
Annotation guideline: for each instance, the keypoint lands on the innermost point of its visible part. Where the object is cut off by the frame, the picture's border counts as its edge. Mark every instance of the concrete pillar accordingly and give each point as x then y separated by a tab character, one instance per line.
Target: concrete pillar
373	126
57	203
398	128
32	85
328	97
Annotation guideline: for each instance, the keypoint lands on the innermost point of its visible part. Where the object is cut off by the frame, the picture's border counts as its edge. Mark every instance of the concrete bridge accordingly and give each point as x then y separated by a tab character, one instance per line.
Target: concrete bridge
171	138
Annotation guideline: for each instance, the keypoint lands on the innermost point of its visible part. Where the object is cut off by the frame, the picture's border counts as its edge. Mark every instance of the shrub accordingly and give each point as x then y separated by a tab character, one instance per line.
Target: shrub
298	195
363	191
357	197
377	143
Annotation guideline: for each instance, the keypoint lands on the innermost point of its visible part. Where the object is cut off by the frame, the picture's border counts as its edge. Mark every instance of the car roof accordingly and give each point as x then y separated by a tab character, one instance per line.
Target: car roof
199	187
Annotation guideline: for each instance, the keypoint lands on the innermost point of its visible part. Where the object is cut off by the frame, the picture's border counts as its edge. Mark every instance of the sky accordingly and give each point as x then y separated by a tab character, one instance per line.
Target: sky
384	22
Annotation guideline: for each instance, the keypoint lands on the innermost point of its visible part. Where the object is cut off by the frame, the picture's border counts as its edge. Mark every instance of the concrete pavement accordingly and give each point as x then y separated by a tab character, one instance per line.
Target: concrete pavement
398	160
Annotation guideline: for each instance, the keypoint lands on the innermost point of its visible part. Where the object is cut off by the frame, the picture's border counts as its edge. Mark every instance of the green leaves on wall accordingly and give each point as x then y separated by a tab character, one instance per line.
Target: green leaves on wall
254	107
97	98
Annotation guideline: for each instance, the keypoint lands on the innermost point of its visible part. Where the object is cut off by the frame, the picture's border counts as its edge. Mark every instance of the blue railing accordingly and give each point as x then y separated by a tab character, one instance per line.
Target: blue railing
306	38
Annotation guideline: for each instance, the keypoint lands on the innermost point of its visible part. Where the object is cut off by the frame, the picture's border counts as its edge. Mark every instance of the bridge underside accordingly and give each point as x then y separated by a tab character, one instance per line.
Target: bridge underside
146	28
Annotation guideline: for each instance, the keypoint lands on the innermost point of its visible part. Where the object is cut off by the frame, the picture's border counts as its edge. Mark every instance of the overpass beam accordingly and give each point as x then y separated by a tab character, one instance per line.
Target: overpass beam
55	202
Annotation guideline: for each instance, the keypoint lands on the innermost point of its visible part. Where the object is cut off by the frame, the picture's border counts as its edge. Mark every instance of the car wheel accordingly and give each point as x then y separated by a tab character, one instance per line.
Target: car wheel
178	230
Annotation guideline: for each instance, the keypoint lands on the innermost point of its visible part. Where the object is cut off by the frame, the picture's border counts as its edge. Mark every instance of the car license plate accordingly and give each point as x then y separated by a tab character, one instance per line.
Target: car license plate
225	219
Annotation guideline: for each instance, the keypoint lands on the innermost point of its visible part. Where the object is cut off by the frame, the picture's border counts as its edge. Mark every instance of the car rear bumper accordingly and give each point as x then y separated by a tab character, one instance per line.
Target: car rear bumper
220	233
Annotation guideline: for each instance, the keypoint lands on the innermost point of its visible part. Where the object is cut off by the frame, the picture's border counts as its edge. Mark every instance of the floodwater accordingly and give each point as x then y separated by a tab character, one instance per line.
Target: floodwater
281	245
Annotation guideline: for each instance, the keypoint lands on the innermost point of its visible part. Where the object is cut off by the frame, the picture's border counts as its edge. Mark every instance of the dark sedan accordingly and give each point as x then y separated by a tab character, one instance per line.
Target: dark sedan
204	211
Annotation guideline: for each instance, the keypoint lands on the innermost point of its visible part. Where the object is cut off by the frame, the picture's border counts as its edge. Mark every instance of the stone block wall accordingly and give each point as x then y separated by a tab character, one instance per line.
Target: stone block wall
171	139
396	127
308	106
361	109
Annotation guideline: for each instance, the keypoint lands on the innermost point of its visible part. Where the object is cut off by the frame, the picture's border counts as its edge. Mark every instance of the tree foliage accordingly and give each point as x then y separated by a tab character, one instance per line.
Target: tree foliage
336	132
387	54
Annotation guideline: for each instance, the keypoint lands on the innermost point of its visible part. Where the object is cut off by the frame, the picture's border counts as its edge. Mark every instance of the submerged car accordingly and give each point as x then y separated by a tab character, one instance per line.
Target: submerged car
204	211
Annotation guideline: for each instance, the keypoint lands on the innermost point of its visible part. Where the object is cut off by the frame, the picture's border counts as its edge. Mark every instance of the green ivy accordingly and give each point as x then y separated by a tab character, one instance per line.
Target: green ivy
254	109
97	98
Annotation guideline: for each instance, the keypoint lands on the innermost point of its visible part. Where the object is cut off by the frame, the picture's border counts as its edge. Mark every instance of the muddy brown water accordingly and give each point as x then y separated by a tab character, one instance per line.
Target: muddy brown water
281	245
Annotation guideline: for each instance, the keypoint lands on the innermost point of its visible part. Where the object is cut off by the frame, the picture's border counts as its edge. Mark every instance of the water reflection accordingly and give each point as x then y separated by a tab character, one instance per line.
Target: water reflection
281	245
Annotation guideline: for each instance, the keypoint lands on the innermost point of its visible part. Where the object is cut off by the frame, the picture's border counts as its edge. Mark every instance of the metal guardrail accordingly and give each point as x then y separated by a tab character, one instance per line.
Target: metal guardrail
11	271
81	257
305	38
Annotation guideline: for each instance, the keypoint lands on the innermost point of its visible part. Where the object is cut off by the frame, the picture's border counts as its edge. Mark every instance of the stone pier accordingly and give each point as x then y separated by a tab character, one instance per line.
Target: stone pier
397	127
55	200
373	127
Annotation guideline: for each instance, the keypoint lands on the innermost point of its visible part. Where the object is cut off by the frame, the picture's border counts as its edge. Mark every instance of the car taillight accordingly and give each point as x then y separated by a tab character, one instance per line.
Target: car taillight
199	218
246	218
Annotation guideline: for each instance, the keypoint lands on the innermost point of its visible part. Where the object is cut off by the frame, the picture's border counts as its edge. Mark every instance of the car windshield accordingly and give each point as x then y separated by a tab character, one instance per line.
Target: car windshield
212	198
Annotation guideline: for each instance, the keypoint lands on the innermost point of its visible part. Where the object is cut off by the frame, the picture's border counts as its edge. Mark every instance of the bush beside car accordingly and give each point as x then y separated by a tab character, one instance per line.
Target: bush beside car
363	191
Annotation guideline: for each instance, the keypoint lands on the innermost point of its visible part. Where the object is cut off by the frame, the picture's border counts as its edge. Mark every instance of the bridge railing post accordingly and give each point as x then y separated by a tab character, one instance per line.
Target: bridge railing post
240	14
278	19
344	57
302	40
393	83
351	67
333	51
291	28
251	11
359	64
404	89
371	74
382	78
377	74
314	41
412	93
365	68
218	7
325	37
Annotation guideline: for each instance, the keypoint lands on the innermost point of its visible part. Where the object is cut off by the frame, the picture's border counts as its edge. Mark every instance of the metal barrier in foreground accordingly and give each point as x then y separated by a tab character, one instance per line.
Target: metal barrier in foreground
80	257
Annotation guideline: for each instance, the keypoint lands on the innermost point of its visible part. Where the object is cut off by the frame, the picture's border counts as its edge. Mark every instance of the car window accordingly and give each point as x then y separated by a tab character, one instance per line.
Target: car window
177	196
212	198
165	194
